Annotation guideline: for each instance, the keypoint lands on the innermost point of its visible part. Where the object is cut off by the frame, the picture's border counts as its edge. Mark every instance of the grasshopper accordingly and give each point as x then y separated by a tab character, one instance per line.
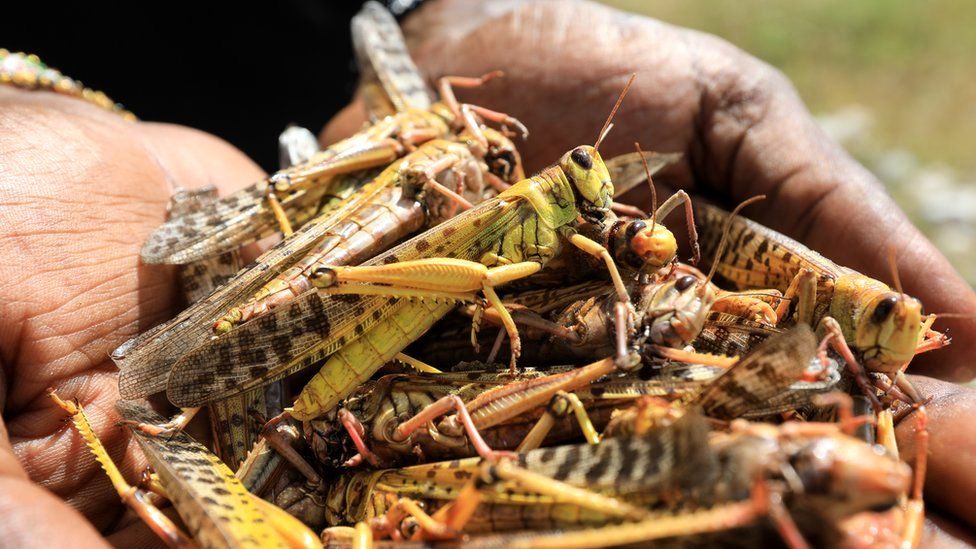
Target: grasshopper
867	319
719	475
212	503
400	201
642	480
291	196
670	312
510	236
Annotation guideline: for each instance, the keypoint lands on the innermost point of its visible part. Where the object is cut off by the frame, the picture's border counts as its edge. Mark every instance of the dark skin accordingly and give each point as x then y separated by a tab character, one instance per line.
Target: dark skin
80	189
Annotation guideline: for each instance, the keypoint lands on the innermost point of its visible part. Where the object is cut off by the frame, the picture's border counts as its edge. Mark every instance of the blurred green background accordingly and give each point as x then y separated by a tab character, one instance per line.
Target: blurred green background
893	80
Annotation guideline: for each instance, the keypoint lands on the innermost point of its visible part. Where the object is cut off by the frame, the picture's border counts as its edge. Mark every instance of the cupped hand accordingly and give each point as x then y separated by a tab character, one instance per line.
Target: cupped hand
80	189
742	129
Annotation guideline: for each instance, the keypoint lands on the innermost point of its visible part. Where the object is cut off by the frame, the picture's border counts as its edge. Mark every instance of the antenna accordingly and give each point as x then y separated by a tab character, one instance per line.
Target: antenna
893	265
650	183
725	236
607	125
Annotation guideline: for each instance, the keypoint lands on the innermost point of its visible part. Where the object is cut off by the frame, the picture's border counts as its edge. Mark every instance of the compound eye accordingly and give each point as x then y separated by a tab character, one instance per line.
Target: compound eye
581	157
684	283
884	309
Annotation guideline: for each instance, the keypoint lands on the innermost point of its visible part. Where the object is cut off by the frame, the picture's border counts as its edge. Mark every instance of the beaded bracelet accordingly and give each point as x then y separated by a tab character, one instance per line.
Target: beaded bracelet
27	71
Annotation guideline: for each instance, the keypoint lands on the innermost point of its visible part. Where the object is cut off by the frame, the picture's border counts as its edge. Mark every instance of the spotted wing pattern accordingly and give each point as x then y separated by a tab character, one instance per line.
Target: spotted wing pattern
315	325
146	360
757	256
390	78
627	170
766	372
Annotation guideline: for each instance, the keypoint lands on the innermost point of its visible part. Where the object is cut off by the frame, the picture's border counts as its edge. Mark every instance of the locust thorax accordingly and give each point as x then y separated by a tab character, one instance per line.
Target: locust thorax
674	312
883	326
590	178
842	475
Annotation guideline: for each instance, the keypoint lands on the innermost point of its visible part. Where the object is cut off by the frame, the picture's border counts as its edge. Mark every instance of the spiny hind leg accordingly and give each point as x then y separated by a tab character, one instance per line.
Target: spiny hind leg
170	428
560	406
456	514
136	499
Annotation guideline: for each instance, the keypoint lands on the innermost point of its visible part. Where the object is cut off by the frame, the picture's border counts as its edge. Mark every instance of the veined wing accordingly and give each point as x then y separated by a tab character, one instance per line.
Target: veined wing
390	81
146	360
758	377
545	300
731	335
212	502
757	256
627	170
315	325
200	278
244	216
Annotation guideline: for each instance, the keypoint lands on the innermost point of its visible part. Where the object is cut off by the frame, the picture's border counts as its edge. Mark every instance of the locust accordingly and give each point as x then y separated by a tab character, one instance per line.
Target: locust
291	196
541	489
388	206
211	501
644	481
580	320
351	311
884	328
409	417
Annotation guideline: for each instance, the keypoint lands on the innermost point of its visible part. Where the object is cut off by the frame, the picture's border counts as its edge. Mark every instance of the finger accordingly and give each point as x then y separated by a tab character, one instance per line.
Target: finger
32	516
950	484
741	125
192	159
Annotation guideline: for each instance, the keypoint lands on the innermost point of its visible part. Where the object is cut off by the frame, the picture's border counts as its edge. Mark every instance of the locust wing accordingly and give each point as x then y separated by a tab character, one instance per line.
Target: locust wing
627	170
315	325
757	257
244	216
731	335
767	372
146	360
389	79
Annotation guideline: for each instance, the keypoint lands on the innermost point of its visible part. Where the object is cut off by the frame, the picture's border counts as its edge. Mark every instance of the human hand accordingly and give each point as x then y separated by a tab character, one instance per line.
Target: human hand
740	124
80	189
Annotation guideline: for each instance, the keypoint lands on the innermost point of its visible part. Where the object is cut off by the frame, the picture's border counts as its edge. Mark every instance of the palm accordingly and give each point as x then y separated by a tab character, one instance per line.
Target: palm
81	188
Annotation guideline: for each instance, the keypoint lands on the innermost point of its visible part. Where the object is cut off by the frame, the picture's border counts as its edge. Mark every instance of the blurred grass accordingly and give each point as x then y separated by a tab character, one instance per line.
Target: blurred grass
909	62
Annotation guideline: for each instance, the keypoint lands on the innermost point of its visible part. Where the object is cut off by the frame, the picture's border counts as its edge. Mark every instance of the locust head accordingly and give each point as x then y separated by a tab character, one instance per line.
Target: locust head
842	475
675	312
590	178
642	244
888	331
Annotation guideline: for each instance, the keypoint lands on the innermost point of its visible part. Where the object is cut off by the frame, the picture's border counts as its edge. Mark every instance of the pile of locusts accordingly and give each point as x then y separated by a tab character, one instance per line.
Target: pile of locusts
443	350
